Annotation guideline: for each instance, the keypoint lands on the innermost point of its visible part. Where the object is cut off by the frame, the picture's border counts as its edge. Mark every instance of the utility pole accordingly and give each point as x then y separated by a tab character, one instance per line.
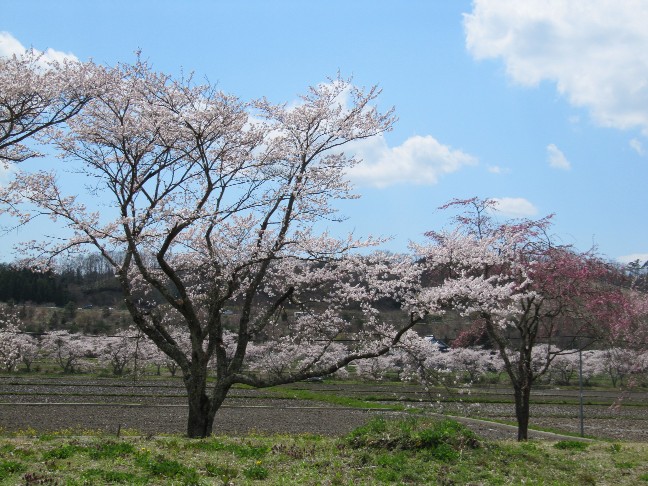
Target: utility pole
580	389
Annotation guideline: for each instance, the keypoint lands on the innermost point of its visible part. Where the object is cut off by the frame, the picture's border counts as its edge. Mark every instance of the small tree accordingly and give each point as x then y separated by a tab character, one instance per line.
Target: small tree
208	208
67	350
29	348
10	337
9	352
377	369
619	363
117	351
564	368
522	289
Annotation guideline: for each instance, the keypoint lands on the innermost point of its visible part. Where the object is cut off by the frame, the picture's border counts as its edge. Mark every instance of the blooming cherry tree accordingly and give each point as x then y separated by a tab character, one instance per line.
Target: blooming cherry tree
522	289
377	369
10	339
29	349
9	352
67	349
619	363
213	203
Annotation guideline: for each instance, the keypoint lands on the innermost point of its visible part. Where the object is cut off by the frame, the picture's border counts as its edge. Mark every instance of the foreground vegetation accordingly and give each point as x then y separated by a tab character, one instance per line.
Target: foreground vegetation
414	451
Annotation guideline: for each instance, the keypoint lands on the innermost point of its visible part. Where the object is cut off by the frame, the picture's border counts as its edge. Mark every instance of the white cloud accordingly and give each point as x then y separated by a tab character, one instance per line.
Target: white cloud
418	160
594	50
515	207
10	46
637	146
556	158
496	169
642	257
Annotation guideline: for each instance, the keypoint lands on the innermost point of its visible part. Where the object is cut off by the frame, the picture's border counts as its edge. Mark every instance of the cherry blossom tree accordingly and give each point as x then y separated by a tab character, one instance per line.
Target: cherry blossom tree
212	203
67	349
564	368
9	353
522	289
29	349
36	95
474	363
117	351
10	339
620	363
377	369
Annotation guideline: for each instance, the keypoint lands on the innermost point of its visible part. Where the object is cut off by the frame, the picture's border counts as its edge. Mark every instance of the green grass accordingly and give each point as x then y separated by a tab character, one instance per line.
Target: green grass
411	451
328	397
571	445
531	427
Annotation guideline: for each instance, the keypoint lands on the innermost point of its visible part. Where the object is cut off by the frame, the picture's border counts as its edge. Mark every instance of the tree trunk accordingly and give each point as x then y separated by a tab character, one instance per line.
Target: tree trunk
202	407
201	418
201	421
522	398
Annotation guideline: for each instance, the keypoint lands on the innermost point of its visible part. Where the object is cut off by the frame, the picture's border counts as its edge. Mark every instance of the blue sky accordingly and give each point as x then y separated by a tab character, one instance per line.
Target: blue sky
542	104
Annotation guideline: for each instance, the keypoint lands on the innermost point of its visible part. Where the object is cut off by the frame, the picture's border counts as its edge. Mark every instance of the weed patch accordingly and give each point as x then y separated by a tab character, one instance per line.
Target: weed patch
111	450
443	438
224	473
99	476
256	472
9	468
167	468
242	451
64	451
571	445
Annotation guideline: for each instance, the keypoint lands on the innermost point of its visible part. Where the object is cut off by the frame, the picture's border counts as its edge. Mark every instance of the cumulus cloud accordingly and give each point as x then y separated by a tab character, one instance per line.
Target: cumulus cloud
418	160
10	46
556	158
515	207
594	50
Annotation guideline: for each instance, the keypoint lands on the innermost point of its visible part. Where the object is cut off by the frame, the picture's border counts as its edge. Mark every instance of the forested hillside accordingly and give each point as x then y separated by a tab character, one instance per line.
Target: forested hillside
83	295
77	282
22	285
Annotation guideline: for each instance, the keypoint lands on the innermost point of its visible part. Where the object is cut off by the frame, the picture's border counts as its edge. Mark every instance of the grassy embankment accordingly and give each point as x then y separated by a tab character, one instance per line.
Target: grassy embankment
415	451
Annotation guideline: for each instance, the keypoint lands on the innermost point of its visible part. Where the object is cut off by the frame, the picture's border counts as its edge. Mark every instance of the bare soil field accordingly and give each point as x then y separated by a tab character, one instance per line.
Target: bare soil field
158	406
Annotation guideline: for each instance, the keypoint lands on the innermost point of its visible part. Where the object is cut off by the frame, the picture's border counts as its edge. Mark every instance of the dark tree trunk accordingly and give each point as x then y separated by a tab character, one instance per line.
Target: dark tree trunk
522	398
202	407
201	421
520	374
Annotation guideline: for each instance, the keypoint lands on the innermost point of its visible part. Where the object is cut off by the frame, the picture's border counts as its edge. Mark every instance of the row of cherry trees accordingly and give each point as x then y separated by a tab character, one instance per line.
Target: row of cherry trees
131	352
210	202
474	365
